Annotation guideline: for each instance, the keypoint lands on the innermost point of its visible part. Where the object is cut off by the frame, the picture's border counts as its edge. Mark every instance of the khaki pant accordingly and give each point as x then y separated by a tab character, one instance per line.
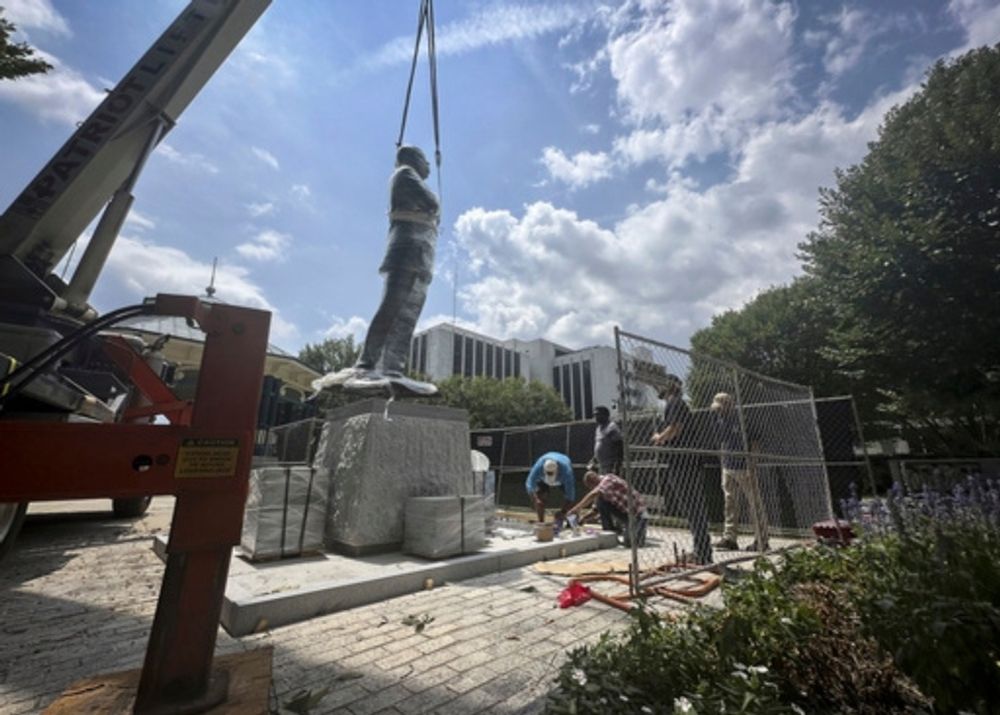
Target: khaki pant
745	481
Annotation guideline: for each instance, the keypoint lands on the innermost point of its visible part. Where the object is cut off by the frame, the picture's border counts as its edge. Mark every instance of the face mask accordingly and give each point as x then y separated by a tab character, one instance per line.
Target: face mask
552	479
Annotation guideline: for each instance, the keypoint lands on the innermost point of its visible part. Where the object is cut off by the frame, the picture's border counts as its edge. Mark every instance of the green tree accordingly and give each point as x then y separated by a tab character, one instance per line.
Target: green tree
908	253
783	333
17	58
330	355
503	403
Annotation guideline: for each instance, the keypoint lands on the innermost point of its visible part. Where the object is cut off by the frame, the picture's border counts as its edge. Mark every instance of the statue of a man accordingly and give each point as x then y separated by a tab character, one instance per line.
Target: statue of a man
408	266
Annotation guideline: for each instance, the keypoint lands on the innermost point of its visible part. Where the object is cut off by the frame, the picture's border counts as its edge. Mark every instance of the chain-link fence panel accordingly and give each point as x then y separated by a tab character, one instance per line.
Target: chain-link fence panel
292	443
513	450
717	458
944	474
848	466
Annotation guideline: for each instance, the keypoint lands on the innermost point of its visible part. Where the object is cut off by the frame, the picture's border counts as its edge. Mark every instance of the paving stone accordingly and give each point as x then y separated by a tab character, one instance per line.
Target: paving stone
422	681
78	598
384	698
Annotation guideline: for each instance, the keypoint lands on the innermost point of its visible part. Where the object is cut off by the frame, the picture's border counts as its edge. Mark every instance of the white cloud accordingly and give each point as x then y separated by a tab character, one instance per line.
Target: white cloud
855	28
586	70
698	137
704	54
672	263
257	210
354	326
494	25
61	95
267	245
710	79
139	221
265	156
591	129
264	59
579	170
36	15
852	31
302	192
192	160
170	270
980	19
696	77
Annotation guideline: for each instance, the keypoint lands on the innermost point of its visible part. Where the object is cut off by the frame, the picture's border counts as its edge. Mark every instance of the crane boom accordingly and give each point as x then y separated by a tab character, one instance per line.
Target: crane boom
108	149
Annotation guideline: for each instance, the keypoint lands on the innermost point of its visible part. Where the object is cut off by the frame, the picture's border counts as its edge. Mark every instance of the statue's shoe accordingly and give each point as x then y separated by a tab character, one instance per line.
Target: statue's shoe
337	379
369	382
389	385
405	387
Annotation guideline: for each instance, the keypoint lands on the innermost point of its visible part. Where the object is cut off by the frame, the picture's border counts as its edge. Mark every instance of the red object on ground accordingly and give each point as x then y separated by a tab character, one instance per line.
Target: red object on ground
835	531
574	595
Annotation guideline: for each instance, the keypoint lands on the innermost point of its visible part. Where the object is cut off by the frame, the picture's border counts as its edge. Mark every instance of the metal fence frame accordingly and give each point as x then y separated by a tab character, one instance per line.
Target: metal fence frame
635	352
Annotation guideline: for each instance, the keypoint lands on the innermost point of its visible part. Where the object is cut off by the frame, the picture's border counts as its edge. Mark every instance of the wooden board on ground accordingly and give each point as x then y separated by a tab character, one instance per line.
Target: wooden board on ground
581	569
249	686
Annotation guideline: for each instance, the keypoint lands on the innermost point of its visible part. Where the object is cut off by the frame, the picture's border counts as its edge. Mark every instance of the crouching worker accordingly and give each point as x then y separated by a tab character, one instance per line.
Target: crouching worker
552	469
610	495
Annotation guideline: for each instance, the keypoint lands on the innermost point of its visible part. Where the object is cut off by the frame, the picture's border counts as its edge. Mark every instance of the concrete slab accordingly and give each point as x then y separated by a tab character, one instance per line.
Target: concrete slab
265	595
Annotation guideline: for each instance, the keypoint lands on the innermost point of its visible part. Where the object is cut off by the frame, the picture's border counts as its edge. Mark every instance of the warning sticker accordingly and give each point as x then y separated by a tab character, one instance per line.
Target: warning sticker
207	458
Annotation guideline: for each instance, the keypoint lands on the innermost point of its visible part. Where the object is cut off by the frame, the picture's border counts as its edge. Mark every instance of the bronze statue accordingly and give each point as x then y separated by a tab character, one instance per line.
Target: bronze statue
408	266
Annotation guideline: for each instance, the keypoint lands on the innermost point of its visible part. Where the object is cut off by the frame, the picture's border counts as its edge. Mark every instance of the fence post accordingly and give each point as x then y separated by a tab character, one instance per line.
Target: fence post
822	461
633	575
864	446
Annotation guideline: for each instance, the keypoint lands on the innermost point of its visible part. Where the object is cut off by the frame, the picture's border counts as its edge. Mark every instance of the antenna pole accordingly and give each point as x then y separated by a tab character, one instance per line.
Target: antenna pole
210	290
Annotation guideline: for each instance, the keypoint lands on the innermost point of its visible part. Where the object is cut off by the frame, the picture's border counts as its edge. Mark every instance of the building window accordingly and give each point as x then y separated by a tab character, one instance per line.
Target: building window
489	361
411	363
456	358
423	354
468	357
517	364
499	358
566	387
577	393
588	391
479	357
508	358
555	380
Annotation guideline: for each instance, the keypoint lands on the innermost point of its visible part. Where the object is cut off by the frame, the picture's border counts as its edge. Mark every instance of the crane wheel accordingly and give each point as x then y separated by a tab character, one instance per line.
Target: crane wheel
11	518
130	508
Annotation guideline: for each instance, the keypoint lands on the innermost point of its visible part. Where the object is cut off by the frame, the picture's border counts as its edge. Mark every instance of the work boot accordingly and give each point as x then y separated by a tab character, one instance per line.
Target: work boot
726	544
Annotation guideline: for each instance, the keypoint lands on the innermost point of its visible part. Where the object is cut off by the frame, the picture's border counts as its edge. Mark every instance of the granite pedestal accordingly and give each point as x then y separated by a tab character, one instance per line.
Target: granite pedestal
377	459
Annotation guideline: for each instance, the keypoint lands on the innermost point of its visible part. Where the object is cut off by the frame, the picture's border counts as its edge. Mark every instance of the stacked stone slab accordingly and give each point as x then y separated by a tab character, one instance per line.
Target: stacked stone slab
286	511
437	527
379	456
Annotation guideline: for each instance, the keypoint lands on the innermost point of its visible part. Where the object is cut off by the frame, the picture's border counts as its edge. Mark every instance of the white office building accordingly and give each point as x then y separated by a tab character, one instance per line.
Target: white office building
585	378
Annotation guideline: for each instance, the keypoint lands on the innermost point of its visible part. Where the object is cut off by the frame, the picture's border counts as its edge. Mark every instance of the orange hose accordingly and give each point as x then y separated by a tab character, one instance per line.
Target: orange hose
708	583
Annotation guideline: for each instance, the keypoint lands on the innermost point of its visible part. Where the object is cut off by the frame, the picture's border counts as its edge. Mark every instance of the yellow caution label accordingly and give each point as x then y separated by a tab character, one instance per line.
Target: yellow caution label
198	457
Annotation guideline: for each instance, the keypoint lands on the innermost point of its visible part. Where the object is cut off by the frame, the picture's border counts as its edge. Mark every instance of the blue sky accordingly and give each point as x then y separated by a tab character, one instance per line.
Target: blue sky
644	163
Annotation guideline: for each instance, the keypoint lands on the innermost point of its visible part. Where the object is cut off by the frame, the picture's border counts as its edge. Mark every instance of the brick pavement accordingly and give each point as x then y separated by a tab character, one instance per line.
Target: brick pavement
77	599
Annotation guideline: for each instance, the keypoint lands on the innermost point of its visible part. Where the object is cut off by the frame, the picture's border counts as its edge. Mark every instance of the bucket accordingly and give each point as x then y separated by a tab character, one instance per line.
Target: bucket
544	532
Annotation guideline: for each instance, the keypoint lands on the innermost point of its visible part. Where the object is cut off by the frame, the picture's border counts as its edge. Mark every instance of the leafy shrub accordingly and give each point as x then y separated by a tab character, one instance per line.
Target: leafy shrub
931	590
906	619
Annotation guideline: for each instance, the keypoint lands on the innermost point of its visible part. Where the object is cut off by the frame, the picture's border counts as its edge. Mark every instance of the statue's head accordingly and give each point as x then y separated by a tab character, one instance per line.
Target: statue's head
412	157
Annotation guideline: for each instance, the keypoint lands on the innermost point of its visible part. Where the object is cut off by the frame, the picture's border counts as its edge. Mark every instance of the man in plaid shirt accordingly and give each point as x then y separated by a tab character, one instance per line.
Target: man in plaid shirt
611	494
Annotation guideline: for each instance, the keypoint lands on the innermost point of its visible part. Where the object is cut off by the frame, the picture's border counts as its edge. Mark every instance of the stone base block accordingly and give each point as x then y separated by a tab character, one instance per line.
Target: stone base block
377	458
